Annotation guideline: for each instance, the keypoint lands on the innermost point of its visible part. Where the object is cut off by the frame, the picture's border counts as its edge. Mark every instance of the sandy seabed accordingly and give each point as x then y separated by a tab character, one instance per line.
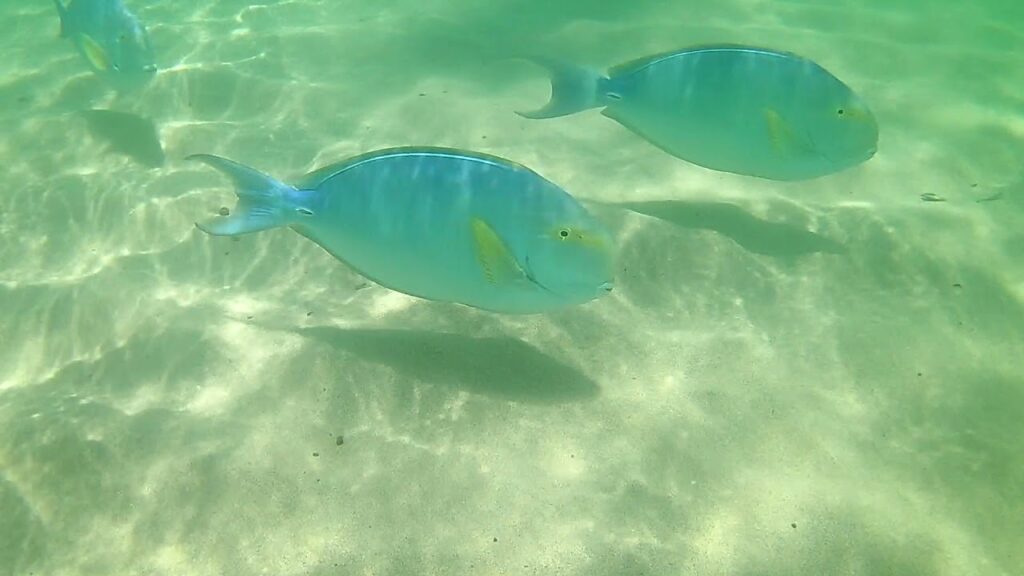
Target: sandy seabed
790	378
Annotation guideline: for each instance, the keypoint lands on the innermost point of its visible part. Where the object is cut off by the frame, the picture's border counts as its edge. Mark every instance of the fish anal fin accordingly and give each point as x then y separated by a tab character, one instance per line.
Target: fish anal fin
496	261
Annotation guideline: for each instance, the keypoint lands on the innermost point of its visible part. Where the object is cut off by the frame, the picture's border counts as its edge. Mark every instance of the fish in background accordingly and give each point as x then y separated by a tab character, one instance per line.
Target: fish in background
111	39
730	108
436	223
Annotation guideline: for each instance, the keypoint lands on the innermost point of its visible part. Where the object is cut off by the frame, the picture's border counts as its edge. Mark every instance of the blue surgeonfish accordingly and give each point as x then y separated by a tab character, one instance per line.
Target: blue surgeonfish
111	39
739	109
436	223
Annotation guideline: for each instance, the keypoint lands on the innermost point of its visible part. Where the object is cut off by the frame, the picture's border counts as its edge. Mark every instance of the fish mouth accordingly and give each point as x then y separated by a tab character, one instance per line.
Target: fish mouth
604	289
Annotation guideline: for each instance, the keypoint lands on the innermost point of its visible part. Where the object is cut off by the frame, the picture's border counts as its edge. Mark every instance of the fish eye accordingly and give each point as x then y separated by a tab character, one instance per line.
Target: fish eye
563	233
840	111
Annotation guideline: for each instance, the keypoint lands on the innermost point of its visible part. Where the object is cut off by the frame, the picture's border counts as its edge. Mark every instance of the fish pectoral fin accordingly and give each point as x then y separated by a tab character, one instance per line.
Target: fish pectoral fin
95	53
784	140
496	261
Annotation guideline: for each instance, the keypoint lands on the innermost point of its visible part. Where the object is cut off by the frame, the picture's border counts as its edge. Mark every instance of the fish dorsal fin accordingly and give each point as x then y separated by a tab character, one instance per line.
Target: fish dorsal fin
641	62
324	173
318	176
496	261
95	53
783	138
644	61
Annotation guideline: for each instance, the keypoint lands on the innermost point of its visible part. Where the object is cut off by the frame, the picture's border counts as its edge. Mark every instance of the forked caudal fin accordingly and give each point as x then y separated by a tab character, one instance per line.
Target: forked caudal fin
63	13
573	89
262	200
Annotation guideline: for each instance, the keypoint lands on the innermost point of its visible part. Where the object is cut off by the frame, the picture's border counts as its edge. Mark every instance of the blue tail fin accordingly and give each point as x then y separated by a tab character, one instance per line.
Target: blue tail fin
261	200
63	13
573	89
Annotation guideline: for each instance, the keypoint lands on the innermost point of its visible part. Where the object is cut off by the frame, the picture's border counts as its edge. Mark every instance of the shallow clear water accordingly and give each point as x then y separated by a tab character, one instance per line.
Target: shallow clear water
821	377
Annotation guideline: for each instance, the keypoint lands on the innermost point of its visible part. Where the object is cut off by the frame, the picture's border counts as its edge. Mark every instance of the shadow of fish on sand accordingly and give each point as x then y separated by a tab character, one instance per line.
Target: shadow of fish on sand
499	367
128	134
752	233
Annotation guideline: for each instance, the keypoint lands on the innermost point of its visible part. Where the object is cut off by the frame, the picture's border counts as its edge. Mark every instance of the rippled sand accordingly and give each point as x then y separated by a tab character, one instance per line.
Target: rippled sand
811	378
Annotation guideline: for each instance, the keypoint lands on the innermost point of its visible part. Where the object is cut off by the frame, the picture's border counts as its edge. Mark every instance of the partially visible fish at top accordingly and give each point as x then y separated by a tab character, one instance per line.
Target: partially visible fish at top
738	109
112	40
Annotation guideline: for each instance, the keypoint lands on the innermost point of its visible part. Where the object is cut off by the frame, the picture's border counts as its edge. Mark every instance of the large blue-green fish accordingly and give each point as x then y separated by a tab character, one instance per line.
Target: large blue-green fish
113	42
735	109
436	223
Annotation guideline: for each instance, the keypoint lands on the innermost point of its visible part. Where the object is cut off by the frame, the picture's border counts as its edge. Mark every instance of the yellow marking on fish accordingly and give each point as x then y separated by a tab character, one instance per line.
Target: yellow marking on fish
778	132
784	139
95	53
494	257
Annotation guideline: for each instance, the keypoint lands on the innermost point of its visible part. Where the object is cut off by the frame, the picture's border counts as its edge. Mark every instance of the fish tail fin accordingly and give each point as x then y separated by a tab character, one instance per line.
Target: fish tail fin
573	89
261	200
63	13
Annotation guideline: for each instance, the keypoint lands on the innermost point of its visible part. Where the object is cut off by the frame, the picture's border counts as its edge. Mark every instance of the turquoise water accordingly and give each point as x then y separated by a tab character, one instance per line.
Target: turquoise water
820	377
